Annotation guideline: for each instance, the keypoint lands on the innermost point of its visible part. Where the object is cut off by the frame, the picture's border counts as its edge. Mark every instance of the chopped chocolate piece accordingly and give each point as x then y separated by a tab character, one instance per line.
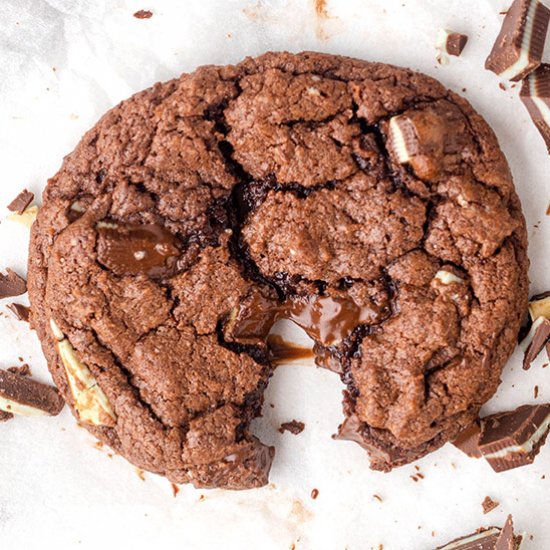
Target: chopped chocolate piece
12	284
513	439
22	395
489	504
468	440
143	14
536	339
539	306
23	370
20	311
20	203
294	427
535	94
449	42
490	538
518	48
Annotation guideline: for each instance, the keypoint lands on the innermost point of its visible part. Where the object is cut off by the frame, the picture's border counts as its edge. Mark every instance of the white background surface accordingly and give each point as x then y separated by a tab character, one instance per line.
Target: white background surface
62	64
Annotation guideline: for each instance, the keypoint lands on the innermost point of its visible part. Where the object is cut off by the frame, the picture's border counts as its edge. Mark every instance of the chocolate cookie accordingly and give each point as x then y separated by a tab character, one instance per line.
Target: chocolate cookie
363	201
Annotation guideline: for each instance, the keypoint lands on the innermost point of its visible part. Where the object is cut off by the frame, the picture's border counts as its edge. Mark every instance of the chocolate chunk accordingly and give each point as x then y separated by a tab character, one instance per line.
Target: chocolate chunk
518	48
537	339
143	14
449	42
490	538
535	94
20	203
20	311
12	284
294	427
24	396
468	441
134	249
513	439
489	504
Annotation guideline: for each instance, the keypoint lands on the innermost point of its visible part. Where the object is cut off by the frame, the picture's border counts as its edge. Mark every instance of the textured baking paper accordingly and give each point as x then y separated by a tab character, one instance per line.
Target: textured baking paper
63	63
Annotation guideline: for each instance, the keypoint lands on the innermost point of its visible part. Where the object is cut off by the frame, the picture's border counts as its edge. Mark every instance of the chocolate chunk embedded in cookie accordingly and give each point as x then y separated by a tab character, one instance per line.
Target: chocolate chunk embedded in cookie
365	202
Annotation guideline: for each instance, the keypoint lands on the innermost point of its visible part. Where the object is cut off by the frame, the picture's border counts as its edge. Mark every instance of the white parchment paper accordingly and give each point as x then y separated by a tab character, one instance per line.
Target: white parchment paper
62	64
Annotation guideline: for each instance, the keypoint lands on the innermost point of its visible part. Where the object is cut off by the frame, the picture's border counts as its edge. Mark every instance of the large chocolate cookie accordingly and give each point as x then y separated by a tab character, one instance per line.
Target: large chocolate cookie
365	202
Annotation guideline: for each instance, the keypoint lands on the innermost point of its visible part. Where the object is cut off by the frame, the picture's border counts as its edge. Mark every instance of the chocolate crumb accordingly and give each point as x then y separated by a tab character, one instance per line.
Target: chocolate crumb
140	473
377	497
5	416
20	203
294	427
12	284
314	493
175	489
20	311
143	14
536	391
502	86
489	504
23	370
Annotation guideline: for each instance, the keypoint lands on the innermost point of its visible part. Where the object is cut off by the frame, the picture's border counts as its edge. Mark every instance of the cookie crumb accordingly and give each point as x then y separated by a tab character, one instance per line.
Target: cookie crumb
314	493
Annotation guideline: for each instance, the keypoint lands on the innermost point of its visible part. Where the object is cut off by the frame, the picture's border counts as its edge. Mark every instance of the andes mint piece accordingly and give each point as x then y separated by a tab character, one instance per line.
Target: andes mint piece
489	504
539	306
20	311
535	95
131	249
518	48
468	440
490	538
512	439
20	203
12	284
428	139
536	340
25	396
90	401
26	217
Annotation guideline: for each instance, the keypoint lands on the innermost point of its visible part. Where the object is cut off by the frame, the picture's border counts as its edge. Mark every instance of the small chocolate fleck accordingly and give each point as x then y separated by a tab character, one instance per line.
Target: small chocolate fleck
20	203
20	311
489	504
536	391
23	370
12	284
314	493
143	14
294	427
377	497
175	489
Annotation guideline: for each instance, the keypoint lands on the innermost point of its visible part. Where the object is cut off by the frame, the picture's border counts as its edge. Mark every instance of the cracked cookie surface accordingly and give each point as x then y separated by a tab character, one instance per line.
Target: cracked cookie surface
365	202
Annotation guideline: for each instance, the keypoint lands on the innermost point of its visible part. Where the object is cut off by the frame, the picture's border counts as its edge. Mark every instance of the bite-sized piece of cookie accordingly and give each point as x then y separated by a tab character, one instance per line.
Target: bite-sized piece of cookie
197	213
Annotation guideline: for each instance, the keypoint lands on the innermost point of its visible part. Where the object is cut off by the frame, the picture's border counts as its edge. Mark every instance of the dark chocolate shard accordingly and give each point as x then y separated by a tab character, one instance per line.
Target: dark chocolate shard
535	95
488	538
12	284
25	396
536	340
295	427
468	440
20	311
518	48
512	439
20	203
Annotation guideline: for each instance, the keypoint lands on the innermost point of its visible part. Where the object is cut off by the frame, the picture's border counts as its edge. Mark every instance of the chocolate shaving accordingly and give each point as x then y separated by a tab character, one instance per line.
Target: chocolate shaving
20	203
12	284
20	311
143	14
